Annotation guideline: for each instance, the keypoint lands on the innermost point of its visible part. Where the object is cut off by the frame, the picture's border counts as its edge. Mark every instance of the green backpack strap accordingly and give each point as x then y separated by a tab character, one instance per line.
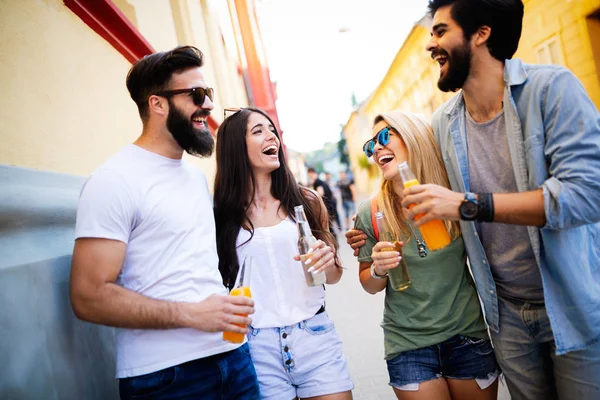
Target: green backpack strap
373	219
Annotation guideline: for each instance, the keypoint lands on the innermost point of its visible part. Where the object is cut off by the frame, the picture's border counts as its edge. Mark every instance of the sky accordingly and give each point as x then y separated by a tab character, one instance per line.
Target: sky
320	52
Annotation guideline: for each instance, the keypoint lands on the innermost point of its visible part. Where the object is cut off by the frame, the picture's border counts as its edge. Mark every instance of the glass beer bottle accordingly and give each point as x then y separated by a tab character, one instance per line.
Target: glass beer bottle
398	276
434	232
306	241
241	288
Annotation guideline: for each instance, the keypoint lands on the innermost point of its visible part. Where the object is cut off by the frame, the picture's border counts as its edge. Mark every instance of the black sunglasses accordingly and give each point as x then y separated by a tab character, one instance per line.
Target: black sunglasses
198	94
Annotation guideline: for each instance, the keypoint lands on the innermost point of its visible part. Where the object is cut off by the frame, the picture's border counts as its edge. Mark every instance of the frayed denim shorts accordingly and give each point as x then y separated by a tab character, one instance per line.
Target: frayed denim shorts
302	360
460	357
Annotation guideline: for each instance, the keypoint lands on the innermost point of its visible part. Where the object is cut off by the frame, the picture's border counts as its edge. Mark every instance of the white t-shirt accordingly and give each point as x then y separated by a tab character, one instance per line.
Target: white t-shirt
279	289
161	208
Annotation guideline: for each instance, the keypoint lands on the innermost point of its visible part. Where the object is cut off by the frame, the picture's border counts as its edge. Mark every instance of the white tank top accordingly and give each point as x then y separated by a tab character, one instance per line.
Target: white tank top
281	295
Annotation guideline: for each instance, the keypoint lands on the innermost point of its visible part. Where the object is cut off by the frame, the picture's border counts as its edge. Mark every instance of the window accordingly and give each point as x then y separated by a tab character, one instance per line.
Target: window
593	24
549	52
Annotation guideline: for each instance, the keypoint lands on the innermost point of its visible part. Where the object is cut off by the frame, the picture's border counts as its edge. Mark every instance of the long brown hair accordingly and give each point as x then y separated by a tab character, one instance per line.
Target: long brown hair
235	184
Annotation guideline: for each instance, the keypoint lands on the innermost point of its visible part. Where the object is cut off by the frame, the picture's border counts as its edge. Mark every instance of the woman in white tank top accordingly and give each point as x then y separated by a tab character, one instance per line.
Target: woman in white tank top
293	343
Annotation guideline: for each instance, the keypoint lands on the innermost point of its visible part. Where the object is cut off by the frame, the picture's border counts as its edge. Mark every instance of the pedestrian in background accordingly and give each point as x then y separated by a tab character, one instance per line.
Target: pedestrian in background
347	191
325	191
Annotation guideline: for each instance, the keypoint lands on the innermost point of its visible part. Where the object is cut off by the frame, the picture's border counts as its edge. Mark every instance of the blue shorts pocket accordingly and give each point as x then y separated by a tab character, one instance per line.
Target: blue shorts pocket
320	324
479	346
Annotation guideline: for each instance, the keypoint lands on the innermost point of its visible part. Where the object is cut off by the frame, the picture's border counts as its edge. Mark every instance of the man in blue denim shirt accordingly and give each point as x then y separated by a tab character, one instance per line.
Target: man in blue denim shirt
526	139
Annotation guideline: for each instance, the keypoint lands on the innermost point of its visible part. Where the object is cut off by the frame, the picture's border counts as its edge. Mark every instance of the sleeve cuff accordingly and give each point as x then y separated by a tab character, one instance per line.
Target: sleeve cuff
551	190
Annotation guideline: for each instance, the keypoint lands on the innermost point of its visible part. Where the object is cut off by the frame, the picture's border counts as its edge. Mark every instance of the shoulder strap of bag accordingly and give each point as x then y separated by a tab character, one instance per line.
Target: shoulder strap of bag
373	219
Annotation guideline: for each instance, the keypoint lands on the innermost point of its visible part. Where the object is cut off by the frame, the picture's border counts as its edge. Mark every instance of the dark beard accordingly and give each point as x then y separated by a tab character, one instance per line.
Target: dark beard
458	69
196	142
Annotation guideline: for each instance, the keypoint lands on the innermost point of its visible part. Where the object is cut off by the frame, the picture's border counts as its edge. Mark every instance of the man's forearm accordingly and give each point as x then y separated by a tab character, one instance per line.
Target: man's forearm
116	306
526	208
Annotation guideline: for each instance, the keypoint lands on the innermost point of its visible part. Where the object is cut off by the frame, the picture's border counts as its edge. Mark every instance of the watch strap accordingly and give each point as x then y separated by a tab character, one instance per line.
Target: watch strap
374	274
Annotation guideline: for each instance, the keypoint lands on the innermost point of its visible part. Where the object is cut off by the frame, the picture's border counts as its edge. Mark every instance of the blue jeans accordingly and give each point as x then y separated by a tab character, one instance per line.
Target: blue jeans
525	350
229	375
349	208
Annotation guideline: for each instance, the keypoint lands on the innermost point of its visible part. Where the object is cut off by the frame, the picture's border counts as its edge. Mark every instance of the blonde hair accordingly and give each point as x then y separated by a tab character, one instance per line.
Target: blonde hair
424	160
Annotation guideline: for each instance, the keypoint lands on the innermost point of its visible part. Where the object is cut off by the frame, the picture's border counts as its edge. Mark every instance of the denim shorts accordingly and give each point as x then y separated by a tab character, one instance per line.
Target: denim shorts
460	357
302	360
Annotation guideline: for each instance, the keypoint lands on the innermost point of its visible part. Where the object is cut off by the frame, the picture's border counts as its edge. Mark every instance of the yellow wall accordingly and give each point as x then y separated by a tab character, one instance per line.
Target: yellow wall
64	106
567	20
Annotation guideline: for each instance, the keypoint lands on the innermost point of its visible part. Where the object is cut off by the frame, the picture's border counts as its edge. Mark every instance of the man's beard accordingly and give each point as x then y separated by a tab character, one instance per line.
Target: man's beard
458	69
196	142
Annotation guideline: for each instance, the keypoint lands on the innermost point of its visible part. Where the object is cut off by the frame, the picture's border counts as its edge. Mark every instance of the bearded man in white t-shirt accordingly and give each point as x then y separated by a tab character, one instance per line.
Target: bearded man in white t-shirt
145	258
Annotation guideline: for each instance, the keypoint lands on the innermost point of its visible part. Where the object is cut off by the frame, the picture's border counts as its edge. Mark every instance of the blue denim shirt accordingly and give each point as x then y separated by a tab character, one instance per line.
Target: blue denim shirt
553	131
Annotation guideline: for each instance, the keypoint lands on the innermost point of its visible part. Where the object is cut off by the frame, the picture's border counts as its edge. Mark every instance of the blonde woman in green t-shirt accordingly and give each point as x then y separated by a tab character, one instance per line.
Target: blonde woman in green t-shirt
436	342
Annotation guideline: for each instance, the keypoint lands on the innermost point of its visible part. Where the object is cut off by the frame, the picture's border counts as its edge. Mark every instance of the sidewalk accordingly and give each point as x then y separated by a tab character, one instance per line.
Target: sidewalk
357	316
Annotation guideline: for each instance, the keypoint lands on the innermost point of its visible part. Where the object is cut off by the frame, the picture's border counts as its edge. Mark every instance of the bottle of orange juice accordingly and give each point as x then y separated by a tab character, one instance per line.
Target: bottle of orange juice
241	288
434	232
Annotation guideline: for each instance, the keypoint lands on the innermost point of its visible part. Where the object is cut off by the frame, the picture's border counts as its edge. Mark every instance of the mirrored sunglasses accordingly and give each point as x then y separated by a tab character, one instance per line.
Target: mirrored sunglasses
382	137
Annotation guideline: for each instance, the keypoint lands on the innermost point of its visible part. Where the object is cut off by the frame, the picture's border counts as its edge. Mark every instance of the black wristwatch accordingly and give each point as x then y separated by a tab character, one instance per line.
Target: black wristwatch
468	208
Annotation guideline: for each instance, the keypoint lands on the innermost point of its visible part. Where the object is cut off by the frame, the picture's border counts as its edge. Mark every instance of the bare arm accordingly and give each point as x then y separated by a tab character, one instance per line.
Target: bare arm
332	259
333	274
383	261
437	202
96	297
368	283
525	208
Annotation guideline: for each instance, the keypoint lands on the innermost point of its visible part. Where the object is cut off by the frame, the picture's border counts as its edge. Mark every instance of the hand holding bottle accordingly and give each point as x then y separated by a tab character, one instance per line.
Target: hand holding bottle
319	258
306	249
386	255
241	288
389	251
434	232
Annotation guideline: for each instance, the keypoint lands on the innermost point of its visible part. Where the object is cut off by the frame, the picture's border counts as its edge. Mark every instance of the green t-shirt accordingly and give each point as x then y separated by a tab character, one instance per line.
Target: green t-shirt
441	301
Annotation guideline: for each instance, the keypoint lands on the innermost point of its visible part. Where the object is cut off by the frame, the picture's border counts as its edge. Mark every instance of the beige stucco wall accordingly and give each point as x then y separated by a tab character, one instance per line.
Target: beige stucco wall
64	106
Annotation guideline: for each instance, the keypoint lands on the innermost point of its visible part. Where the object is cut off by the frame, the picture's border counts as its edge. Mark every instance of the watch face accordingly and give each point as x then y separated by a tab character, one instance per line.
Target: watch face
468	210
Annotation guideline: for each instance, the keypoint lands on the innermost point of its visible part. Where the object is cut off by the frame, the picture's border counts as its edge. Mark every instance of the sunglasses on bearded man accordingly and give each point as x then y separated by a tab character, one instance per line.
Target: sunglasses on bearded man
198	94
382	137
